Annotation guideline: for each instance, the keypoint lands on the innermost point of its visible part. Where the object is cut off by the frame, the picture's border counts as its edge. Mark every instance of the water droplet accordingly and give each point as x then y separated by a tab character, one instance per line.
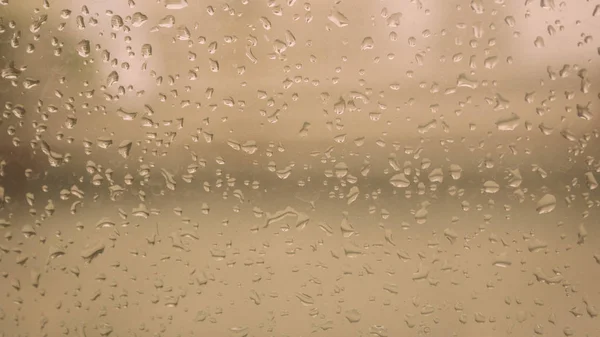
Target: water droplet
477	6
125	148
509	123
591	181
421	215
436	176
393	20
116	22
146	50
175	4
138	19
352	315
213	65
367	43
167	22
455	171
266	23
546	204
539	42
83	48
338	18
399	180
112	78
305	298
491	187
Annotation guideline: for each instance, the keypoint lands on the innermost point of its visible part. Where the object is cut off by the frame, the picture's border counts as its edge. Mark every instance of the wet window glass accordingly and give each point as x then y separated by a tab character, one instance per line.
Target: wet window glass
293	168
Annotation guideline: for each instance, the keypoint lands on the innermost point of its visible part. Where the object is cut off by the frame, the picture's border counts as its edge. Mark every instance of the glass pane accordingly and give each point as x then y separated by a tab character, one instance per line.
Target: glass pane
287	168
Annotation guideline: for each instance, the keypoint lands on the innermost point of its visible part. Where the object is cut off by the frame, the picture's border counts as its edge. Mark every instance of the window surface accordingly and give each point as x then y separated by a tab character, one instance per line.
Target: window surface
288	168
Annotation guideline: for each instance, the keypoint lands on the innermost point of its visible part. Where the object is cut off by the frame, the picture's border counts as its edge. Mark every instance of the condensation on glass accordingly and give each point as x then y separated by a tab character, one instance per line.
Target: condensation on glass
288	168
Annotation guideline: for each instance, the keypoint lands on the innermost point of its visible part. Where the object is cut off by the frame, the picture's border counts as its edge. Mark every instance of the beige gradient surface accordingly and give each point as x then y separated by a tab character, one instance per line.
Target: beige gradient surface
288	168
